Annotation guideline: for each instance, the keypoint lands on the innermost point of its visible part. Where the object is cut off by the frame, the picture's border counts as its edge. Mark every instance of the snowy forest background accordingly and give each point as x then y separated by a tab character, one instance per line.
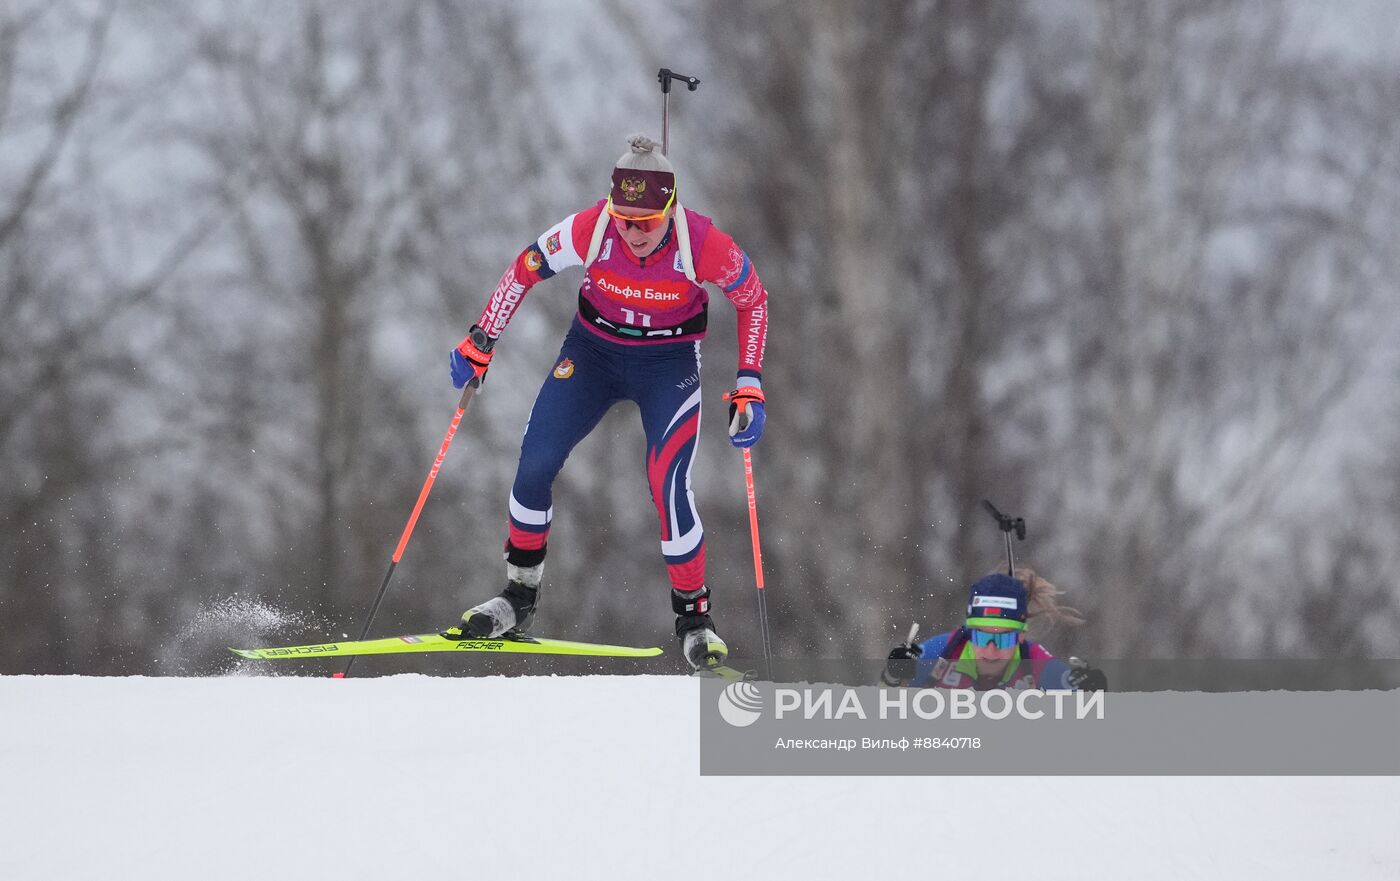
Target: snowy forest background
1127	269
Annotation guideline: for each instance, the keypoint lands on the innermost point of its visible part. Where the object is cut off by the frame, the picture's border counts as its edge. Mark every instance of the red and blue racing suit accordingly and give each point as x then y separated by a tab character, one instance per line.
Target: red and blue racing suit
636	338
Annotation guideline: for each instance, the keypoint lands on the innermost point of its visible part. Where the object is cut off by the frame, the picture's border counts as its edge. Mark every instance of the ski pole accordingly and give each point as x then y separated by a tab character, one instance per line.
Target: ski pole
665	75
893	675
758	561
467	394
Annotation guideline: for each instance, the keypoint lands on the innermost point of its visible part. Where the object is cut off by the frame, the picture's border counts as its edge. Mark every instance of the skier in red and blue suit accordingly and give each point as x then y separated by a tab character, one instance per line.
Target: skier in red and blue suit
641	315
990	650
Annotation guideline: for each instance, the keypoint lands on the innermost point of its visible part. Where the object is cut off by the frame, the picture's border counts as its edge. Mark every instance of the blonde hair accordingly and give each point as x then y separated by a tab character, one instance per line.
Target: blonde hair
1043	600
644	155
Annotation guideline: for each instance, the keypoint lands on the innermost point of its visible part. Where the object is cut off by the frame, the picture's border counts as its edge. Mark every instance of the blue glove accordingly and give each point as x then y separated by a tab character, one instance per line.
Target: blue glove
746	416
470	359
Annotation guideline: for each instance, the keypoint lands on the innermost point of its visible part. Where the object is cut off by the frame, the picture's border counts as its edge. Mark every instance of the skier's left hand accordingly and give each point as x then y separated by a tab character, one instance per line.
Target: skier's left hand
745	415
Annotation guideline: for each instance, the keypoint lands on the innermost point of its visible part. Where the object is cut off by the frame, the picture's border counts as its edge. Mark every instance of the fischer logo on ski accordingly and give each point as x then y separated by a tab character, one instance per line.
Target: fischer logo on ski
303	650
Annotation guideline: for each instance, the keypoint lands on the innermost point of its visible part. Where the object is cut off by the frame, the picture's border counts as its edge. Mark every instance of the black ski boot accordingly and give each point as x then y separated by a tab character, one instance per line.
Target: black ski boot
700	644
507	614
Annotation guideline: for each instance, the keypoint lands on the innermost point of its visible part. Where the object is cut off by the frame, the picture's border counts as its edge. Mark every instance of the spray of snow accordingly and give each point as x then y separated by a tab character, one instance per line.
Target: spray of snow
201	648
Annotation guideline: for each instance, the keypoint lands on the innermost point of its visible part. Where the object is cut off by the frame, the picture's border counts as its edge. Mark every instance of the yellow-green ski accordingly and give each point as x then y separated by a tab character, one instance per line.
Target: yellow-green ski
434	642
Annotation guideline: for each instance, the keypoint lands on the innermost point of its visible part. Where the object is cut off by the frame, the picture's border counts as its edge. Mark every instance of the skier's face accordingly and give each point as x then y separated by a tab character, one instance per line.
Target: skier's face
990	658
641	241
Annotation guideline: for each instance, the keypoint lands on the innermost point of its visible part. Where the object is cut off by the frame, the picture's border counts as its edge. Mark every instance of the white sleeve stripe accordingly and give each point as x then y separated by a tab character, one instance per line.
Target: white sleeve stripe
563	255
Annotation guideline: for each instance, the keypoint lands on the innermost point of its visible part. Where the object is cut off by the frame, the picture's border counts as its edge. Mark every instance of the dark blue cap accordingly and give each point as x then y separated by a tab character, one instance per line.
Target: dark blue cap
997	601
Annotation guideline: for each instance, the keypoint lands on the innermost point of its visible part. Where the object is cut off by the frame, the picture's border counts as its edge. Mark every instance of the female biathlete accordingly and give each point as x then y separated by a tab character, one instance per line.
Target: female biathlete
990	649
636	337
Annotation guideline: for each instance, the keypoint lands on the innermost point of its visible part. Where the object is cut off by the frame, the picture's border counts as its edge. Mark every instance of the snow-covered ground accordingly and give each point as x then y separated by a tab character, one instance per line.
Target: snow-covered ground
595	777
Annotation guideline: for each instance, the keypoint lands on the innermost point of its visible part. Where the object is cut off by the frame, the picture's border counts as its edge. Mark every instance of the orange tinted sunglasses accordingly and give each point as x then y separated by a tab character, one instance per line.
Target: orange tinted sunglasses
645	223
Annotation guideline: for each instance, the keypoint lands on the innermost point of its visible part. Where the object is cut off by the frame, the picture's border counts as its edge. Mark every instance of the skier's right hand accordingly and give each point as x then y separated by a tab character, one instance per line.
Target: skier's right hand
471	358
900	666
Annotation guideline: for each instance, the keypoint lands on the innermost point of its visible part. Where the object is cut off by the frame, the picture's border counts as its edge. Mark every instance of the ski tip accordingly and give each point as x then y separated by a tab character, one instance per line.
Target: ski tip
251	654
